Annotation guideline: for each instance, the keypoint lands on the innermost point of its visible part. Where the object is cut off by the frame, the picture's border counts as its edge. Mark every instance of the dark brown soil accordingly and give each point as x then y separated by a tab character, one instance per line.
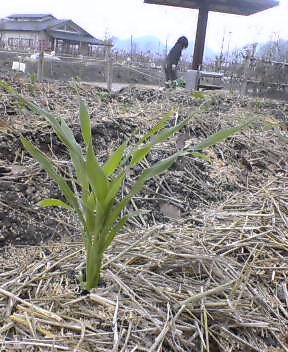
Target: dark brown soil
252	157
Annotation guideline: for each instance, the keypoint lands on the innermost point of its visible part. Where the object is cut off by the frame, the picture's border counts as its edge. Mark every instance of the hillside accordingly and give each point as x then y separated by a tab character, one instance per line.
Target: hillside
204	270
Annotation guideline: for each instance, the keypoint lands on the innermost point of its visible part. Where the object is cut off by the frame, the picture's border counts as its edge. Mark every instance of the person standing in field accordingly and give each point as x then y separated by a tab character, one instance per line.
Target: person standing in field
172	59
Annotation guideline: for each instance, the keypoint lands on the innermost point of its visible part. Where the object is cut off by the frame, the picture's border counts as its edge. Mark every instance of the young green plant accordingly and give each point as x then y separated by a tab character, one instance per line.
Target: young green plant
99	205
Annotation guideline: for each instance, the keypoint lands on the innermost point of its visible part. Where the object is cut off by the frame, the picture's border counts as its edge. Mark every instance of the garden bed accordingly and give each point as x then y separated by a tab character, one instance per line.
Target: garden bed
205	270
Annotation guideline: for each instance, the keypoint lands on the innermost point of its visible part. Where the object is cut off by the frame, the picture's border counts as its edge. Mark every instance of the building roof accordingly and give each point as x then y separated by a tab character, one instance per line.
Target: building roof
10	25
30	15
48	23
236	7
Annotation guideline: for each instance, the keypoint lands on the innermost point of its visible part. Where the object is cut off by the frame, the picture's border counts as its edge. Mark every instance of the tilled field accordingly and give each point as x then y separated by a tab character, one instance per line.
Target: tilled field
205	270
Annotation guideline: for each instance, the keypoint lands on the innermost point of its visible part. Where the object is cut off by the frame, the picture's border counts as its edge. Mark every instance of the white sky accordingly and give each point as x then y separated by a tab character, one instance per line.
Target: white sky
123	18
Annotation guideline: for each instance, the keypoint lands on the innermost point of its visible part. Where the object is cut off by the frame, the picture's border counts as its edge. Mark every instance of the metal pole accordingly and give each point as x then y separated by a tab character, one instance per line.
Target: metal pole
200	37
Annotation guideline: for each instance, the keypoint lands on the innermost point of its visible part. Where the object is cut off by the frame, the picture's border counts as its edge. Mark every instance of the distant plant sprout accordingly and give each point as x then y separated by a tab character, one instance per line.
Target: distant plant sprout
100	204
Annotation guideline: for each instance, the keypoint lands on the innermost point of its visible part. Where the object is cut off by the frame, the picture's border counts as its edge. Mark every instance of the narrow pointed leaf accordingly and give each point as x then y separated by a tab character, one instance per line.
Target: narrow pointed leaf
220	136
114	161
114	188
156	169
96	175
140	154
75	153
115	212
159	126
54	122
52	202
91	201
111	234
68	135
85	123
202	156
163	135
99	215
121	223
49	167
168	132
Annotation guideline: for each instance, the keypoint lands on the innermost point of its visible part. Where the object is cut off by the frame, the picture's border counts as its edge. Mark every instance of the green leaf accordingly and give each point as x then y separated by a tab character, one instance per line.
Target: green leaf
115	212
65	134
159	126
55	123
198	95
163	135
121	223
85	123
202	156
156	169
220	136
91	201
114	188
49	167
95	221
52	202
90	208
63	131
111	234
168	132
68	137
115	159
140	154
96	175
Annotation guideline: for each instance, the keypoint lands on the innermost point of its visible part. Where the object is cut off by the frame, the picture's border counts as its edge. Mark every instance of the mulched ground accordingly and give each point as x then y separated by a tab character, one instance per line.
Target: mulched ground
206	270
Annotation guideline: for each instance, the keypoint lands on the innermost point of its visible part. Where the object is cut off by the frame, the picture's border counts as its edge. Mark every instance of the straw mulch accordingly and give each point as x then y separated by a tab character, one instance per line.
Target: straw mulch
214	279
221	286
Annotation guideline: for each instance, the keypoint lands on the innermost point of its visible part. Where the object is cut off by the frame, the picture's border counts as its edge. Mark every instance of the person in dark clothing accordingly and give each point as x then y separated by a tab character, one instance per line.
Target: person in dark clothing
172	59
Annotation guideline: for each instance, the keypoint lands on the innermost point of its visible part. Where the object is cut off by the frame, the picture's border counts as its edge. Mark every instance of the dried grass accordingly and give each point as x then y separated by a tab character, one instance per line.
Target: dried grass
177	287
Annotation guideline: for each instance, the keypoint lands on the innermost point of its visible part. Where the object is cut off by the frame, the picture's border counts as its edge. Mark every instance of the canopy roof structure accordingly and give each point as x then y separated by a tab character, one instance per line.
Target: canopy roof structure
236	7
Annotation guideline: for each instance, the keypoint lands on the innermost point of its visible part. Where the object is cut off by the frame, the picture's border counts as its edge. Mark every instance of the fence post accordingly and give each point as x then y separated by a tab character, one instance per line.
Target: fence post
243	89
109	67
40	66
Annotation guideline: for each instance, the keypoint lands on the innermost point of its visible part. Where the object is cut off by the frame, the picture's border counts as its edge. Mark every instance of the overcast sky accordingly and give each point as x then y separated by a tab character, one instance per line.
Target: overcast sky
132	17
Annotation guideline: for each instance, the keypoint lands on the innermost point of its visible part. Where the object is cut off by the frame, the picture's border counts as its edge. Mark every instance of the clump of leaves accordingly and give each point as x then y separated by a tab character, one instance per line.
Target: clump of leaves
100	205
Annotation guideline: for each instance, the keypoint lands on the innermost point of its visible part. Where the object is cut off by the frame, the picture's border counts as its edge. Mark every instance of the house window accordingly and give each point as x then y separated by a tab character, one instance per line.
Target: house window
73	49
13	42
59	45
20	43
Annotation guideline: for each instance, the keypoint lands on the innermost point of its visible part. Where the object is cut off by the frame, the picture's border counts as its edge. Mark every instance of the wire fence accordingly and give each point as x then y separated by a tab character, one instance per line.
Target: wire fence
245	75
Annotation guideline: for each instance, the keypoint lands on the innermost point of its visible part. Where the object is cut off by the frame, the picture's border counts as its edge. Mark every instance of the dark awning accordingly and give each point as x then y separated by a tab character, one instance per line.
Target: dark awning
236	7
75	38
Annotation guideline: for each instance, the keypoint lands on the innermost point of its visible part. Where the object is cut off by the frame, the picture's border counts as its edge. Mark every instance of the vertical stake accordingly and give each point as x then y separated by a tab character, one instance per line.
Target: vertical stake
109	67
40	66
243	88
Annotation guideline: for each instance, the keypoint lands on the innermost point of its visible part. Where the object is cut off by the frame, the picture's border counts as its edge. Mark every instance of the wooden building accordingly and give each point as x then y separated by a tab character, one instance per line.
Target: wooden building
35	32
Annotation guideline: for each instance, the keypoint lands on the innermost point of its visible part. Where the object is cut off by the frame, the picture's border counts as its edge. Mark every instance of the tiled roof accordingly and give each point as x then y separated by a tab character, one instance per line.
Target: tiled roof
8	25
28	15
